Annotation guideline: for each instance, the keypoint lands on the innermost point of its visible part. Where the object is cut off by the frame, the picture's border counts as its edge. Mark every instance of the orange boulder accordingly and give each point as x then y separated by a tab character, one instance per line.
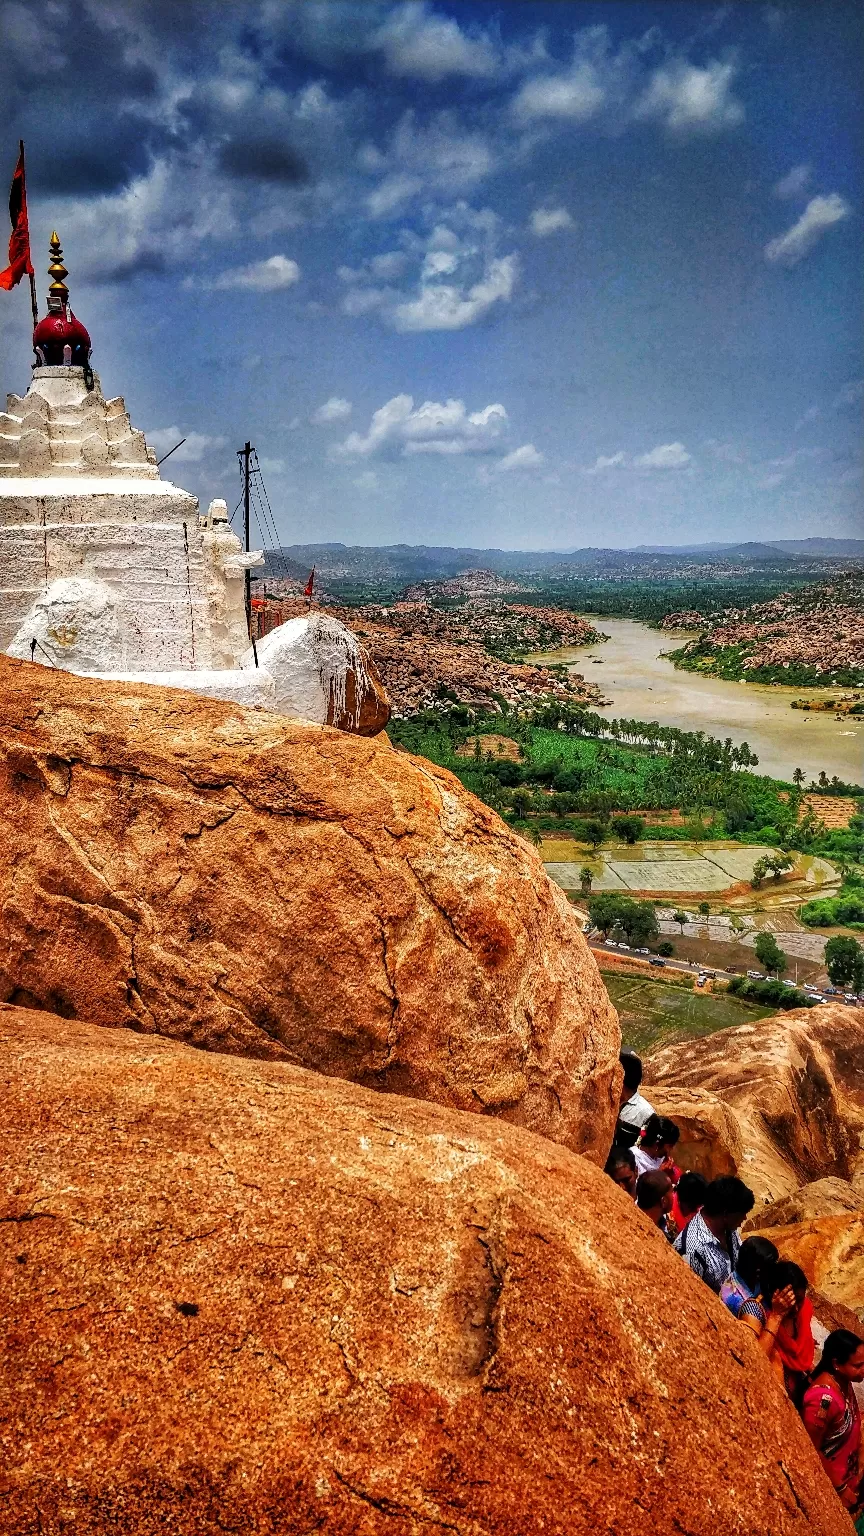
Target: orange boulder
243	1297
278	889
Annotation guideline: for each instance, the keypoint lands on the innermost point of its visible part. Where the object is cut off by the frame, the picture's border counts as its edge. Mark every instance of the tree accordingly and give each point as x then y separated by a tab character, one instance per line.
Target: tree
630	828
586	879
798	777
639	921
535	836
666	947
604	911
594	833
844	961
680	918
760	870
705	908
522	802
769	954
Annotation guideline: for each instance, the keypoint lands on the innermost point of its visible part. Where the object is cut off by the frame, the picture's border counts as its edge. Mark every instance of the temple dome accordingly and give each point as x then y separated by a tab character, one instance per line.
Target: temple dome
56	332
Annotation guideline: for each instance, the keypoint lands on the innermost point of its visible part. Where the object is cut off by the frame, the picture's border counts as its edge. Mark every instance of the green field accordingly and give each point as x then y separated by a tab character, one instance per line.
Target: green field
655	1013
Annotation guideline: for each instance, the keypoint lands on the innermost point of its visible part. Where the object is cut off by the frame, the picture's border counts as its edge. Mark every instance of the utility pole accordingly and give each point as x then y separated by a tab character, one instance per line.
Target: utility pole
245	453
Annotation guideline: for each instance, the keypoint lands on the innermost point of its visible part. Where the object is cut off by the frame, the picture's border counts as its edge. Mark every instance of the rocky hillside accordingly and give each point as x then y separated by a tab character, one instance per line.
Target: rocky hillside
257	885
467	653
244	1297
811	637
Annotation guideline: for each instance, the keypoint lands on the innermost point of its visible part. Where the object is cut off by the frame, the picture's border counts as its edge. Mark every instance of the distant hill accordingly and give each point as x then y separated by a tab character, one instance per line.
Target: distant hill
840	547
767	549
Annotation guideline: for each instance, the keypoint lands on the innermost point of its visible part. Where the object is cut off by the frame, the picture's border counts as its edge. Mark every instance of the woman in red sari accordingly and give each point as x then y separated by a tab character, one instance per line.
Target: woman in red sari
794	1345
832	1417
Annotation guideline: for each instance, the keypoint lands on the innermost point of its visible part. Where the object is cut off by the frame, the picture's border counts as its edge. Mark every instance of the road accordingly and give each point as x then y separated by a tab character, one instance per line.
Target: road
691	967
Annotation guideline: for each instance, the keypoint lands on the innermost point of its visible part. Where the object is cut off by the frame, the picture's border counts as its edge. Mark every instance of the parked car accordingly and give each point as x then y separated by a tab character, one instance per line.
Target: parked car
657	961
623	946
700	981
757	975
833	991
710	974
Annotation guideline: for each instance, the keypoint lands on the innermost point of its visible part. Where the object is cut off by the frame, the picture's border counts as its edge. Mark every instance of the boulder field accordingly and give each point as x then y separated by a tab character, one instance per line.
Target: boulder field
279	889
244	1297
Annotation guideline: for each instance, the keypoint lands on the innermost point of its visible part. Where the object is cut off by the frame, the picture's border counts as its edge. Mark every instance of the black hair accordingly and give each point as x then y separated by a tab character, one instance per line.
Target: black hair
632	1065
650	1189
620	1157
838	1349
757	1259
728	1196
658	1128
691	1191
783	1273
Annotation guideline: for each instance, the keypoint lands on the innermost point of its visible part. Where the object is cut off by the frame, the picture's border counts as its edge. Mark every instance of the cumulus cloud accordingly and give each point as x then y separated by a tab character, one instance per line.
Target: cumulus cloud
267	276
548	221
685	98
793	183
457	277
418	44
666	456
448	429
334	409
192	451
613	462
436	157
819	216
526	457
575	97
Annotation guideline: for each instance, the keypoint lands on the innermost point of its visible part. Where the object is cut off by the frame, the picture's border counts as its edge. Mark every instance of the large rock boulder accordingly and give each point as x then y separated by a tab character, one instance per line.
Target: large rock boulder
273	888
830	1250
786	1096
824	1197
322	673
241	1297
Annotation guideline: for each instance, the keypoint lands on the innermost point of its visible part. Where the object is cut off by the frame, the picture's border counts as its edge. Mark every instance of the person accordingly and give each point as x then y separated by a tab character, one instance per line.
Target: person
831	1414
795	1346
654	1197
621	1168
653	1151
710	1243
687	1199
741	1291
633	1110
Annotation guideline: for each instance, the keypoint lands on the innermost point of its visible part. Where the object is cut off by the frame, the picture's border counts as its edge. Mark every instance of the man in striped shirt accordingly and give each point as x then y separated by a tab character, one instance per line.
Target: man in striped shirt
710	1242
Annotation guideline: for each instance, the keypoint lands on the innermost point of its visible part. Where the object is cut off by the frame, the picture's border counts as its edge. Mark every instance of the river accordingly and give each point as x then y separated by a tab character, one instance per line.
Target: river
642	685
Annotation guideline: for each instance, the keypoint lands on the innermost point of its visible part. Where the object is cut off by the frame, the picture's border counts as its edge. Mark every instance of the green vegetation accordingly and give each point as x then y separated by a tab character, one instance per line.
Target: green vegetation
773	991
844	961
730	662
769	954
847	907
577	768
657	1013
636	919
650	600
774	864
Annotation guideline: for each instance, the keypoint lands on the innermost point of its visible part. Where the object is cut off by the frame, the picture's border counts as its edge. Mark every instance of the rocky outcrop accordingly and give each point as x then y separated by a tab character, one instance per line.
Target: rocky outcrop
780	1103
322	673
277	889
824	1197
242	1297
830	1250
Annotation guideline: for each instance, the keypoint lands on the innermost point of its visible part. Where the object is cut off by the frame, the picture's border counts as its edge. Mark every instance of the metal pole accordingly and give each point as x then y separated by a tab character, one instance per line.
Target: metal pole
247	453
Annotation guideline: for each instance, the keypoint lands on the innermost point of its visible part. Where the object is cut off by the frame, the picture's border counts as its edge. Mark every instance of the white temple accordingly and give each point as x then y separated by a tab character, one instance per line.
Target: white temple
107	569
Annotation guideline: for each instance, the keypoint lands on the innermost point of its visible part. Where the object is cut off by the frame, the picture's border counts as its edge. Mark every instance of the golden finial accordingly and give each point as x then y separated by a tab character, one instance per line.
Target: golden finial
58	293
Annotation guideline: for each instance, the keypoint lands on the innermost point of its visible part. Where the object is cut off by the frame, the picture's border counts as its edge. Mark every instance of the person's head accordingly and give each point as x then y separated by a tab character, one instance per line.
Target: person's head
843	1356
691	1193
727	1203
621	1168
659	1136
632	1065
780	1275
757	1258
654	1195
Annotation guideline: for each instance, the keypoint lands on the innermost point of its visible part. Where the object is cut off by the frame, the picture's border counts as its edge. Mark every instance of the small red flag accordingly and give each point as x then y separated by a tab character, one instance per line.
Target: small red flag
19	244
307	590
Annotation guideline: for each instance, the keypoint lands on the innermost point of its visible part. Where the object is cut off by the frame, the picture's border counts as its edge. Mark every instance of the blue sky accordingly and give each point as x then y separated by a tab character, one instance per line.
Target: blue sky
525	275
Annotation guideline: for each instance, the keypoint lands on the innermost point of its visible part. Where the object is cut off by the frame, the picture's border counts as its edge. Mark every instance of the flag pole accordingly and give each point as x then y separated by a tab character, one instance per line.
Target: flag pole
33	302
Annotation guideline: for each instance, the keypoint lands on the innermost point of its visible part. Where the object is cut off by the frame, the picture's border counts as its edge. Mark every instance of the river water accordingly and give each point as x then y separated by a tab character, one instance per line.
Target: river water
629	670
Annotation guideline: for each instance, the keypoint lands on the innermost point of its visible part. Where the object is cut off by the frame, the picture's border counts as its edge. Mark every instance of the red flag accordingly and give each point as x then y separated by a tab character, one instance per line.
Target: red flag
19	244
307	590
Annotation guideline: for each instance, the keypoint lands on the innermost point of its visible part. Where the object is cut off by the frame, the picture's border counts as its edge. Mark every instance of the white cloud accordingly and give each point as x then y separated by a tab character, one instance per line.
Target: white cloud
526	457
575	97
819	215
333	409
666	456
446	429
613	462
421	45
793	183
449	307
438	157
267	276
686	98
192	451
547	221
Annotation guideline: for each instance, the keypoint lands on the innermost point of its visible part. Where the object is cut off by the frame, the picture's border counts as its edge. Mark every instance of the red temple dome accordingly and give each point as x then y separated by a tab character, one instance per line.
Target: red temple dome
59	338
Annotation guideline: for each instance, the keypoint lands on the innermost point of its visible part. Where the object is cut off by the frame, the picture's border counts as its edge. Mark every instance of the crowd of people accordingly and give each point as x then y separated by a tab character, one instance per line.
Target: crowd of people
701	1219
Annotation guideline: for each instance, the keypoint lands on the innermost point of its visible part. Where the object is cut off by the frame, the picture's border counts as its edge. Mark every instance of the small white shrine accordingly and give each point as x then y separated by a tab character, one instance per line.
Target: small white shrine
107	569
